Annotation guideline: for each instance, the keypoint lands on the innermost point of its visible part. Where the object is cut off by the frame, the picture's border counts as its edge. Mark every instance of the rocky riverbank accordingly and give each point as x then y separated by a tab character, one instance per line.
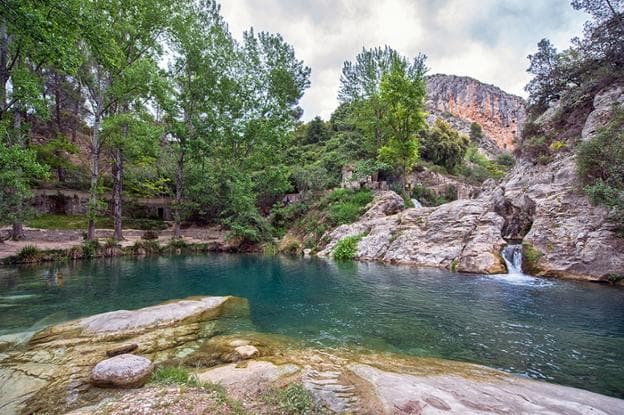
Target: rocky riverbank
563	234
98	365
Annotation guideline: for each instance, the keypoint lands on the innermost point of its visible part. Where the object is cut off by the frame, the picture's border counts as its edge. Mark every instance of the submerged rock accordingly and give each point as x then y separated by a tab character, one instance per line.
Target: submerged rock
123	371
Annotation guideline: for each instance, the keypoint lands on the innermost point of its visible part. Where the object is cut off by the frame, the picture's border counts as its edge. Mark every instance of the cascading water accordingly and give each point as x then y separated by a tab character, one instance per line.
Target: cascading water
416	203
512	254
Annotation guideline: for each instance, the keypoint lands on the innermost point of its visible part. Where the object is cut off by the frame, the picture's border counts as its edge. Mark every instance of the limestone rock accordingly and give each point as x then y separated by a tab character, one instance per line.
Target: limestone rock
54	367
384	204
123	349
254	373
501	115
247	351
123	371
604	103
402	393
463	235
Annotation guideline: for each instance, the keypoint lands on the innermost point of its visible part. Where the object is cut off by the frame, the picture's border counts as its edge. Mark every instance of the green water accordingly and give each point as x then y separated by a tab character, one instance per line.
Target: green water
563	332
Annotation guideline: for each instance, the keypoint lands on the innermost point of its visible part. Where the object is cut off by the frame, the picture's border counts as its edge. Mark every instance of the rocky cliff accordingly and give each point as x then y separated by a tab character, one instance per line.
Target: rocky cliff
500	114
541	206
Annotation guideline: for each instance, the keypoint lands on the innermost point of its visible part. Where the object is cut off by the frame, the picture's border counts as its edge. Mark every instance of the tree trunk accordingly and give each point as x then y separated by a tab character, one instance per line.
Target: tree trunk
177	214
4	71
117	192
95	175
57	101
18	231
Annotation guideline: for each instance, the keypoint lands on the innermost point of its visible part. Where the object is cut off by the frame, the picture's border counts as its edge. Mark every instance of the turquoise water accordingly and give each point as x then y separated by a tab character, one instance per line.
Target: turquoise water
563	332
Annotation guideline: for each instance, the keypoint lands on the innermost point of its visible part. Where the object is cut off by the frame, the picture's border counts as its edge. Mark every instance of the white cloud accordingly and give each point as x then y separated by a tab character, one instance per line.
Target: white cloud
485	39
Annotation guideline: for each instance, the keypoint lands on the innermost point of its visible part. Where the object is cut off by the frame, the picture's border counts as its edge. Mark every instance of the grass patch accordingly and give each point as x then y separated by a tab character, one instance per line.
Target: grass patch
346	248
292	400
29	253
176	375
68	222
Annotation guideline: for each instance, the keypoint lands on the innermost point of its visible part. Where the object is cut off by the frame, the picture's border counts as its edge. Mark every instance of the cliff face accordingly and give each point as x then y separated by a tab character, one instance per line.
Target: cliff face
500	114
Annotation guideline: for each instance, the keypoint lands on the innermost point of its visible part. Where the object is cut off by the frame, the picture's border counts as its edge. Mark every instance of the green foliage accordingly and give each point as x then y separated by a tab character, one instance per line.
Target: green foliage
346	248
345	206
51	221
506	160
176	243
28	254
19	170
530	258
600	166
428	197
174	375
476	132
90	248
443	145
147	246
295	399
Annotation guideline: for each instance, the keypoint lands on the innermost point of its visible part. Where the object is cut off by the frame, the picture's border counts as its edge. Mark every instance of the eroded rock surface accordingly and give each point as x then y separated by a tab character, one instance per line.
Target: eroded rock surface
564	234
53	369
402	393
500	114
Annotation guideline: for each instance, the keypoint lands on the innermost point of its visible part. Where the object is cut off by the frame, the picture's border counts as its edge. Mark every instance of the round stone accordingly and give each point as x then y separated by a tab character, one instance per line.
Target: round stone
123	371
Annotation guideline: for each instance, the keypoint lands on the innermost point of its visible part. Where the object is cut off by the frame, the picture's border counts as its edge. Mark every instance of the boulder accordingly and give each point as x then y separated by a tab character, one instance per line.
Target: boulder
123	371
384	204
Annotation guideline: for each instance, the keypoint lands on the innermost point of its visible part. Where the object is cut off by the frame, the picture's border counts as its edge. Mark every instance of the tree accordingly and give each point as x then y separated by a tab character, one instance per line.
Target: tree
119	66
316	132
360	85
443	145
201	82
33	35
403	96
18	170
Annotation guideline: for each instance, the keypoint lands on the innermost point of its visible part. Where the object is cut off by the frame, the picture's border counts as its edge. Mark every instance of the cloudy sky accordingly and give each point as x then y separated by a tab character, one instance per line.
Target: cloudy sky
486	39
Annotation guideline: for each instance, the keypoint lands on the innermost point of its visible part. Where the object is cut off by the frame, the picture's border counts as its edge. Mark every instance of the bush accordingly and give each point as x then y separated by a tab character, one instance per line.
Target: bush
29	253
346	248
600	167
90	248
530	257
428	197
346	206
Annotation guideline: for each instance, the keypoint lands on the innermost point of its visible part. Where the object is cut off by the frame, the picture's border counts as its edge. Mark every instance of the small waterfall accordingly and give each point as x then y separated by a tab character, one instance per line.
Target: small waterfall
416	203
512	254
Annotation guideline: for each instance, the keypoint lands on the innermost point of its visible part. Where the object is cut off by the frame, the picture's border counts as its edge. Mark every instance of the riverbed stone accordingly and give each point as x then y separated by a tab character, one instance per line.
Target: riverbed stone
123	371
246	352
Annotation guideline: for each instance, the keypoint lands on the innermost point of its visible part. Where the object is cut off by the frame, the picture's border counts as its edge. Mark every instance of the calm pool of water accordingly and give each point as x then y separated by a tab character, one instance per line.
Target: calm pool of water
562	332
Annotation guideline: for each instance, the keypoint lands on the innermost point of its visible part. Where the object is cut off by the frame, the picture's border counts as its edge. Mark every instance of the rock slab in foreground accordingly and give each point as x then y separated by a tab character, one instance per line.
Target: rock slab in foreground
448	394
123	371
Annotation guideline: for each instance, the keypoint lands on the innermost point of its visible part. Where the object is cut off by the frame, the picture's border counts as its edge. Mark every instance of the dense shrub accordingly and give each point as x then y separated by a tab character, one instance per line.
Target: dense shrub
443	145
600	165
346	248
428	197
29	253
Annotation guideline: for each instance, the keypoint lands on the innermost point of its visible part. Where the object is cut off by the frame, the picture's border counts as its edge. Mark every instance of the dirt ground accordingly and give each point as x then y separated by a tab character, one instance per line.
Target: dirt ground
48	239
